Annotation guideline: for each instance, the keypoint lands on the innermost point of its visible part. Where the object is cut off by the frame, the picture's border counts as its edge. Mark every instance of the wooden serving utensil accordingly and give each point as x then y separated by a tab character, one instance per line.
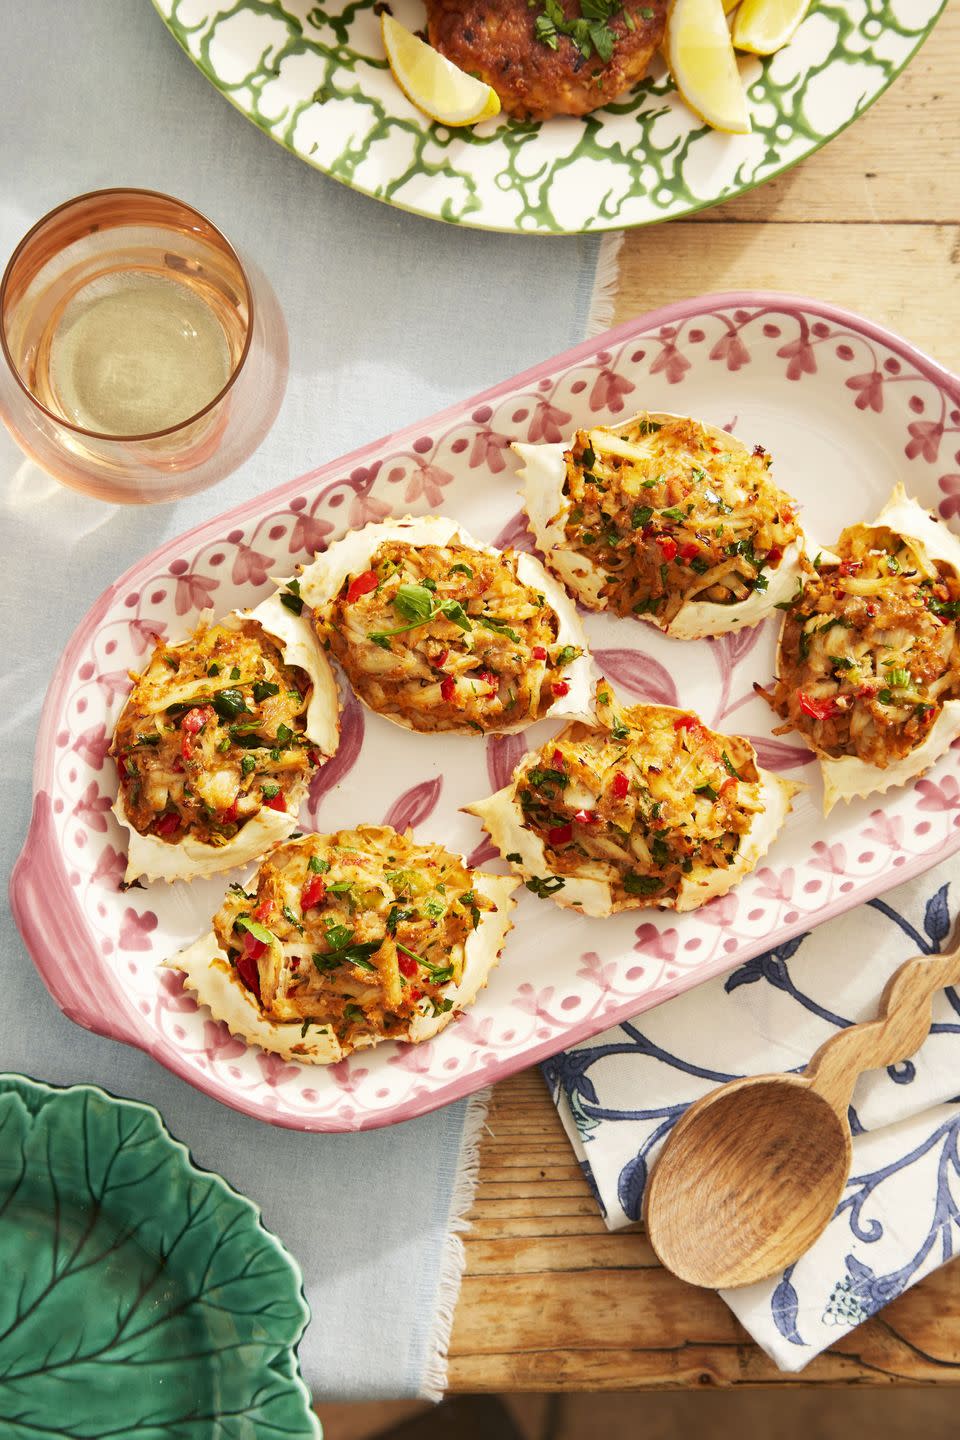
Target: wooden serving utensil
753	1172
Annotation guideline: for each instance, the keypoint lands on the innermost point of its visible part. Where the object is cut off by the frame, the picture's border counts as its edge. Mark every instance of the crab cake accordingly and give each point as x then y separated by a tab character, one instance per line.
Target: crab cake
537	69
437	632
218	739
647	807
665	519
348	939
868	668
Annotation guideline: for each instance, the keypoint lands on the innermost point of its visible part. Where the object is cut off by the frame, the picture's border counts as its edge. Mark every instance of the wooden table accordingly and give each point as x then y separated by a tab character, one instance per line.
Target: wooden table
550	1299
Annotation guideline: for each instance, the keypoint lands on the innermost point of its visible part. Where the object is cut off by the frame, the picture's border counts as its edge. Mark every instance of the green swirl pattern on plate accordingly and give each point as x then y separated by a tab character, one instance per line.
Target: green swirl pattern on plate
314	78
140	1296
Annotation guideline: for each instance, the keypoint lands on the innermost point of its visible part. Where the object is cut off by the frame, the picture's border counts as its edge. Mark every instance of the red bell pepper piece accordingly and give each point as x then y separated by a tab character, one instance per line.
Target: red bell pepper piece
586	817
313	893
668	546
621	785
168	824
686	722
690	551
362	585
277	802
448	688
817	709
407	966
191	725
774	556
560	688
538	652
248	972
560	834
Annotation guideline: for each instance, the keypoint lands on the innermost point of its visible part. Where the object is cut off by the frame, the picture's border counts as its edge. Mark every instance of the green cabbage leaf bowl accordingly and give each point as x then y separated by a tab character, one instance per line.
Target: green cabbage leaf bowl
139	1295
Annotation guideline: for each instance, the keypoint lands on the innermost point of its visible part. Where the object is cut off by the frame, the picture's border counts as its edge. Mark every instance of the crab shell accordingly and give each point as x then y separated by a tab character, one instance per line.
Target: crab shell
502	817
321	581
544	472
209	974
156	859
846	777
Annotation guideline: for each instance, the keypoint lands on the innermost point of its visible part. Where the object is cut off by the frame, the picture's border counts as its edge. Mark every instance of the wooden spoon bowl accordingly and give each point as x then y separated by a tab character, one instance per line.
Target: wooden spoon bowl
752	1173
754	1169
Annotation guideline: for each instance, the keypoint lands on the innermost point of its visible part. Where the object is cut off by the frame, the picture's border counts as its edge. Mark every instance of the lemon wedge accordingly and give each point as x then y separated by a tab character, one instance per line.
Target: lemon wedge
763	26
432	82
704	67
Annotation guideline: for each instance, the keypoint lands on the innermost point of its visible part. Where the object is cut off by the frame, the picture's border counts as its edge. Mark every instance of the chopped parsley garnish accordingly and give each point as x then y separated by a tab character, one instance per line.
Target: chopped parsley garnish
706	790
635	884
230	703
642	515
543	887
541	777
269	792
315	865
500	627
263	689
673	513
795	598
258	931
291	597
840	662
588	459
566	655
514	856
885	697
461	569
213	669
340	887
291	919
729	766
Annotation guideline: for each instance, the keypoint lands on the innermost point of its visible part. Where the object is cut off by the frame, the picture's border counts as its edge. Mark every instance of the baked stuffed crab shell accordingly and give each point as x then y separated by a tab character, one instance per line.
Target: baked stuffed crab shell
438	632
666	519
341	941
647	807
218	739
868	667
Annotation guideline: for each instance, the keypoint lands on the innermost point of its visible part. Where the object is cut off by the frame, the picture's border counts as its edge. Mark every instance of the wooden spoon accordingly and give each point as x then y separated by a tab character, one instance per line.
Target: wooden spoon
753	1172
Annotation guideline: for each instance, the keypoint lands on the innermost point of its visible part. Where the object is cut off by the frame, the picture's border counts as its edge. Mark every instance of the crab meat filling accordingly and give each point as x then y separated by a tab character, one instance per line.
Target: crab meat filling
869	650
447	637
213	731
639	804
670	516
361	931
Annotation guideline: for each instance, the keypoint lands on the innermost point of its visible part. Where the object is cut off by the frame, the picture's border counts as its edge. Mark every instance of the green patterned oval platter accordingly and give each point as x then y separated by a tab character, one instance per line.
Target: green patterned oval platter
140	1296
314	78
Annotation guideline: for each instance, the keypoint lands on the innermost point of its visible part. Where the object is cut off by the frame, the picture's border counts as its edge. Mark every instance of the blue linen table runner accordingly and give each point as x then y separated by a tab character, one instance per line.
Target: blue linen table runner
390	317
620	1094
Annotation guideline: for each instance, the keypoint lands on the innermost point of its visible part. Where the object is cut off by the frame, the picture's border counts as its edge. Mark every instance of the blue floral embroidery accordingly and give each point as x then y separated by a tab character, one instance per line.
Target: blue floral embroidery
860	1291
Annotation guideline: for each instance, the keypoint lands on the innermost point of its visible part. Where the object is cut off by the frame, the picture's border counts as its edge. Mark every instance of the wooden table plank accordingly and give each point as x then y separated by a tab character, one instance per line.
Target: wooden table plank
551	1299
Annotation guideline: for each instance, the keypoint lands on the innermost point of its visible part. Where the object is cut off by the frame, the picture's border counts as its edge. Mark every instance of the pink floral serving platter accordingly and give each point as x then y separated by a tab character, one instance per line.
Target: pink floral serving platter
846	408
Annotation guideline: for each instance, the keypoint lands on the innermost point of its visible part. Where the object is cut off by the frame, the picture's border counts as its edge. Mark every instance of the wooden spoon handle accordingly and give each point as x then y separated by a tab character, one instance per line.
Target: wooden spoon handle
901	1026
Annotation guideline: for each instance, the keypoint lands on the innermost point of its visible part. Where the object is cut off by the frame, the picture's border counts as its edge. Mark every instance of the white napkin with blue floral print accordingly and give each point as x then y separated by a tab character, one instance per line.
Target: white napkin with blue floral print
620	1094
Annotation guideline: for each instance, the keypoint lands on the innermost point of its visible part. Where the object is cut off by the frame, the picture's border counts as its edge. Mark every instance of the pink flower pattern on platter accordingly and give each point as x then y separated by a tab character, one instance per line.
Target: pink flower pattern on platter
308	534
925	437
194	592
639	674
426	482
950	485
731	349
489	449
775	884
92	808
654	941
671	362
548	423
93	745
250	567
570	991
609	391
800	357
414	806
135	931
944	795
515	535
869	390
832	858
